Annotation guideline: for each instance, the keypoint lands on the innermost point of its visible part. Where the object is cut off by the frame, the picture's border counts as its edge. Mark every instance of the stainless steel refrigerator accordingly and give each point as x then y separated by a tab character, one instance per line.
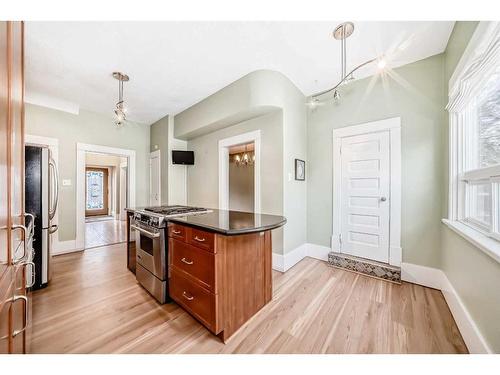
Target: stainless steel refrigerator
42	195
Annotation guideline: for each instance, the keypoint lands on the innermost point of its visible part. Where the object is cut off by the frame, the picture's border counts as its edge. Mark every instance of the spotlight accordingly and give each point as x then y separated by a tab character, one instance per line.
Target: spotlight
381	64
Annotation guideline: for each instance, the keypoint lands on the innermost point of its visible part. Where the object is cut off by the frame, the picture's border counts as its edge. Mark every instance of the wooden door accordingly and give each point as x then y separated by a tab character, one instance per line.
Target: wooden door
96	191
15	302
365	187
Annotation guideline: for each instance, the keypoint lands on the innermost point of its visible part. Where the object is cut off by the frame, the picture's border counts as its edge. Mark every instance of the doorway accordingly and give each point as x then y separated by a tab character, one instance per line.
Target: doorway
97	191
237	143
103	226
241	177
367	191
104	190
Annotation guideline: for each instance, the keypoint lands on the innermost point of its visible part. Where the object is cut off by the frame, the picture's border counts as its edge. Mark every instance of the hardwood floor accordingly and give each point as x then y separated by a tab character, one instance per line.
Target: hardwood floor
94	305
104	232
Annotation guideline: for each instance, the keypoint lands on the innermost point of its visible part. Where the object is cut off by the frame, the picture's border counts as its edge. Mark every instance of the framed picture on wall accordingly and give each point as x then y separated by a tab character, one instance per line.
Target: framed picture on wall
300	170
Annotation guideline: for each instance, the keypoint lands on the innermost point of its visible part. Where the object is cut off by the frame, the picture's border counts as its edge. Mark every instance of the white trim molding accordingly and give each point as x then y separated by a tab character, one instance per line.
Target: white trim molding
65	247
81	149
224	145
479	63
483	242
47	101
393	125
437	279
284	262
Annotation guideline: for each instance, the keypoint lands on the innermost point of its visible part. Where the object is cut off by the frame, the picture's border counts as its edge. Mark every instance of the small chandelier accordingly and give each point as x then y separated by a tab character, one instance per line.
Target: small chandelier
342	32
244	158
120	110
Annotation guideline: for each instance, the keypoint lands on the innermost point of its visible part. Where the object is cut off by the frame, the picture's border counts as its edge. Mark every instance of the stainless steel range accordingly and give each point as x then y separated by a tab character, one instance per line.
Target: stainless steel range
150	226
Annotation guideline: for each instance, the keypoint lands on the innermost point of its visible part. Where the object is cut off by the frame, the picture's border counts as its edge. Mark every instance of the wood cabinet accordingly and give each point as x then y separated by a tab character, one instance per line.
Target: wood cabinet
15	301
221	280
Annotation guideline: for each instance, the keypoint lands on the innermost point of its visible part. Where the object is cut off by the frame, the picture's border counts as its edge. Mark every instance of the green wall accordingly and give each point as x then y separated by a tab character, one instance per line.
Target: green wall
91	128
416	95
159	141
474	275
202	177
254	95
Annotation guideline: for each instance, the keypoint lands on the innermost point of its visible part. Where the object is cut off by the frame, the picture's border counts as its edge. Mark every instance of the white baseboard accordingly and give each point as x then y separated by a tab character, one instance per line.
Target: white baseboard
283	263
65	247
437	279
318	251
426	276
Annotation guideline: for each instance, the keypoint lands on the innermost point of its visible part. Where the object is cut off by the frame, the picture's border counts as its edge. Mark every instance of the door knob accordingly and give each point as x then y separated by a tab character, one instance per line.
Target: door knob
383	199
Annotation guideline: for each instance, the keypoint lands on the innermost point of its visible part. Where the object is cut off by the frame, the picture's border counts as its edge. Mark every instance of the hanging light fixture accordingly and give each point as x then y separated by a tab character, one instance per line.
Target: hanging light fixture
342	32
120	110
244	158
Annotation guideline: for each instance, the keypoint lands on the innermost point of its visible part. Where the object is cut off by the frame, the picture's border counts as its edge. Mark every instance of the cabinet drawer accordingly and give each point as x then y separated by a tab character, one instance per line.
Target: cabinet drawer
195	299
198	263
177	231
202	239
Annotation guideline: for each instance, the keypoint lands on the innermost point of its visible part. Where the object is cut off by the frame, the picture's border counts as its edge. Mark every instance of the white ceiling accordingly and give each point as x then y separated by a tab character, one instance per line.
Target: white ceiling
173	65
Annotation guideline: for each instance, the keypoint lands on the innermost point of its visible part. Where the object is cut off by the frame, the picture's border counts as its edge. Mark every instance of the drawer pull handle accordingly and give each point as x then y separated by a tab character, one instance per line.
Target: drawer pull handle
199	239
184	260
187	296
176	231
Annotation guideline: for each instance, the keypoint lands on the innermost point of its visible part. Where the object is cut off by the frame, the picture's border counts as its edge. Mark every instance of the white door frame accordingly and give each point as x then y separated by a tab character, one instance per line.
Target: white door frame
53	145
151	156
122	215
393	125
81	149
224	145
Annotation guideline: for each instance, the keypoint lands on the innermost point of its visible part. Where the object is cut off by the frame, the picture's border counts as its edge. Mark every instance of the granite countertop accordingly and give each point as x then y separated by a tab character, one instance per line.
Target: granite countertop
228	222
232	222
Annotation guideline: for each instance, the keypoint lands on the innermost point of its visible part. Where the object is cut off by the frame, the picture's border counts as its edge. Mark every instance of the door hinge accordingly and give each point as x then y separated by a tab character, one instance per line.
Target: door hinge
340	240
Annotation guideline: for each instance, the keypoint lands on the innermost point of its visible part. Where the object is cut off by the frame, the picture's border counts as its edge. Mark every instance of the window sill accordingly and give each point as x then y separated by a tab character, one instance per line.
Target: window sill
488	245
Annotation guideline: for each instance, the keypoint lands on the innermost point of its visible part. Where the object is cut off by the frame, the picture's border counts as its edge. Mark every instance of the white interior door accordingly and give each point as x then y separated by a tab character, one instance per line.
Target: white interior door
154	180
123	192
365	195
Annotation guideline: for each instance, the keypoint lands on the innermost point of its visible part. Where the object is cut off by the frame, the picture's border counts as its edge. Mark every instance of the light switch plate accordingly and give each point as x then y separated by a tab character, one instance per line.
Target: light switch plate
66	182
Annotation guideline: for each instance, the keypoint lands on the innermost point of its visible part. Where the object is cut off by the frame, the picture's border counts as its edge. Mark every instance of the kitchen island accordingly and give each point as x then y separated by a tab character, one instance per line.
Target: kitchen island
220	266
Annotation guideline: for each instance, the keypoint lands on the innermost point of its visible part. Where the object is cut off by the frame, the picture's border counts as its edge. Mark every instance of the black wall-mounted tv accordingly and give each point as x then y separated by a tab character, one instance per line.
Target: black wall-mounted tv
183	157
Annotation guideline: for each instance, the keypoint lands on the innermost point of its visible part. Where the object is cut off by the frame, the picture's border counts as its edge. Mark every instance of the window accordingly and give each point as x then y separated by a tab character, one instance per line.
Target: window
475	136
480	123
95	190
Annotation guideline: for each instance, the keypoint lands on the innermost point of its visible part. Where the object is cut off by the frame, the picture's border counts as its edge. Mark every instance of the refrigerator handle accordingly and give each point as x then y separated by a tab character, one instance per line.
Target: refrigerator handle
54	189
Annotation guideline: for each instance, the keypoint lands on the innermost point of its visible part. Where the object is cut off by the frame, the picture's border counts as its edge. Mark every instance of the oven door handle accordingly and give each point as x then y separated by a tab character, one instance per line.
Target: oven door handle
145	232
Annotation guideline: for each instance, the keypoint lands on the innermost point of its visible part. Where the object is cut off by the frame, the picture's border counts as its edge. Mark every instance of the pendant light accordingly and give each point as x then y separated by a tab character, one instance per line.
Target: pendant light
244	158
120	110
342	32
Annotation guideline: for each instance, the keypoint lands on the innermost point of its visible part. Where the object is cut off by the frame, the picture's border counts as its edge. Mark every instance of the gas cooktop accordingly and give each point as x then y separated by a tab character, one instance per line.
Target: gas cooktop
175	210
157	216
